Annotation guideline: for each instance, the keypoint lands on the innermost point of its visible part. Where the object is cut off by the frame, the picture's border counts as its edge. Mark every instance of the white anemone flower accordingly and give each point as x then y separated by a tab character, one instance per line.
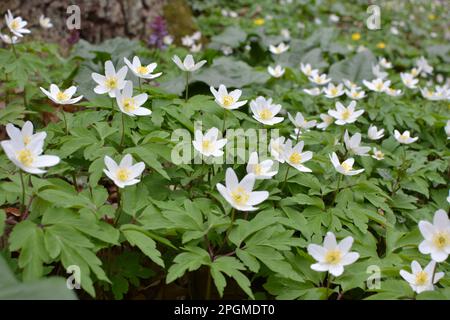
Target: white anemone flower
196	48
45	22
421	280
326	121
346	167
393	92
377	85
279	49
320	79
300	122
377	154
436	236
313	91
276	148
424	67
352	144
125	173
374	134
355	94
265	112
209	144
240	195
9	40
308	70
351	85
227	100
62	97
26	135
132	105
28	157
111	81
378	73
276	72
409	80
16	25
332	256
405	137
188	63
345	115
384	63
261	170
294	156
332	91
140	71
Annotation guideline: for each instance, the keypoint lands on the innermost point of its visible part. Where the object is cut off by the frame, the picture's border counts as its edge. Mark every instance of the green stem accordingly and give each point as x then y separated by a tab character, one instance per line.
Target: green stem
14	50
187	86
119	206
123	129
22	203
65	120
224	119
338	187
328	284
6	89
140	85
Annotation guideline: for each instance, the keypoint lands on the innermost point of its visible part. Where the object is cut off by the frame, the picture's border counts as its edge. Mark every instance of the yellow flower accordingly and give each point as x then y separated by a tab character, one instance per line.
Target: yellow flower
431	17
259	21
356	36
381	45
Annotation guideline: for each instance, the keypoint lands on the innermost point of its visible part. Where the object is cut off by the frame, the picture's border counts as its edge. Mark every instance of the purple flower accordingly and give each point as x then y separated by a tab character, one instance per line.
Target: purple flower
159	31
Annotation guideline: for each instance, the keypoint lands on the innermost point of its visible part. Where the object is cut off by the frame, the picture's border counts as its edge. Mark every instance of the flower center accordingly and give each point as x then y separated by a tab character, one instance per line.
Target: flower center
15	24
379	86
61	96
265	114
228	101
123	174
333	257
25	157
206	145
346	114
295	158
441	240
421	278
129	105
355	94
111	83
240	196
142	70
404	137
346	166
258	169
379	154
334	91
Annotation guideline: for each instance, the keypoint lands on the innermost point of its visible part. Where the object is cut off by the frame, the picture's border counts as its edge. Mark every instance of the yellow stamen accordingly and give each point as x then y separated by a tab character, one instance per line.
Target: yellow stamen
265	114
346	114
142	70
379	86
228	101
333	257
25	157
129	105
240	196
14	24
295	158
206	145
258	169
346	166
334	91
421	278
111	83
441	240
123	174
61	96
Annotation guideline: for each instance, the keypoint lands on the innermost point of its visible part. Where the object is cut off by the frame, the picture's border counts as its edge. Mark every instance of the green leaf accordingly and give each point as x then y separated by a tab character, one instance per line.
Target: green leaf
190	260
138	238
